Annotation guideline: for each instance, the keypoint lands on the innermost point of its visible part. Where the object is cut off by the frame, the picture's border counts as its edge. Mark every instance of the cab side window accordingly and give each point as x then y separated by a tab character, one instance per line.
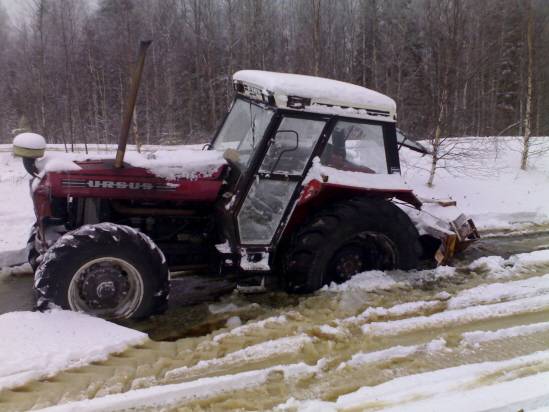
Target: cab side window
358	147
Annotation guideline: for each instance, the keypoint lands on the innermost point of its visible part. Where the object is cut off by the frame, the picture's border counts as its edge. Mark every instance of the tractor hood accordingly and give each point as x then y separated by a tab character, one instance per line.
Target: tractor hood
178	175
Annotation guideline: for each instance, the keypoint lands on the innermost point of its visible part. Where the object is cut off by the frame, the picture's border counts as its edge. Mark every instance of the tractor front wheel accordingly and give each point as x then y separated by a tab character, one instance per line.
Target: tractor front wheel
348	238
32	253
106	270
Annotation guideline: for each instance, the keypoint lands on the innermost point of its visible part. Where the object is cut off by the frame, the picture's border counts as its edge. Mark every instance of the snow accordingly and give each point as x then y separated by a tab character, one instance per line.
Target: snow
500	268
457	316
57	162
37	345
249	262
453	389
258	352
16	210
476	186
395	352
178	164
476	337
321	91
30	141
251	327
330	175
160	397
485	180
492	190
495	292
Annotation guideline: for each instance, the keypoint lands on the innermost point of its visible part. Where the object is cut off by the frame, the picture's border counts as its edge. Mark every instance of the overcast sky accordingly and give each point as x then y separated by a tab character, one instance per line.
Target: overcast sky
15	8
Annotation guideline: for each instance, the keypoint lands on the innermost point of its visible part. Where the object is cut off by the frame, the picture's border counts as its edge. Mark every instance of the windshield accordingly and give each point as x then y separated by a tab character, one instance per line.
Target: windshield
242	131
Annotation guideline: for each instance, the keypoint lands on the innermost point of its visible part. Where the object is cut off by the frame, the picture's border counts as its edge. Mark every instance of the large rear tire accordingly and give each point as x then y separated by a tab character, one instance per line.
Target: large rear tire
347	238
106	270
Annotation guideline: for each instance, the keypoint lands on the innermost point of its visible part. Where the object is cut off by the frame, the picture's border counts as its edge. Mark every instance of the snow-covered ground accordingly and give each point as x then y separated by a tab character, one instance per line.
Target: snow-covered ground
470	338
482	174
38	345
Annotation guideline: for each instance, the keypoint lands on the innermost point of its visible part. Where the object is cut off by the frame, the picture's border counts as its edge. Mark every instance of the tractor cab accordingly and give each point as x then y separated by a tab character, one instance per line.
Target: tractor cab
282	129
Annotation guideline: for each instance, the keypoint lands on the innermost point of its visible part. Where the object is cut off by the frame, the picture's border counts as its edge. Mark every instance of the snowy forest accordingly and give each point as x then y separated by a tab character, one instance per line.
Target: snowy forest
462	67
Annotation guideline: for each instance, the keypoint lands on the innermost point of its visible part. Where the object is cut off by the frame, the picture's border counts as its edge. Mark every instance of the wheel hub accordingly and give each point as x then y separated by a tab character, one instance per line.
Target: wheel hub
349	263
368	251
103	285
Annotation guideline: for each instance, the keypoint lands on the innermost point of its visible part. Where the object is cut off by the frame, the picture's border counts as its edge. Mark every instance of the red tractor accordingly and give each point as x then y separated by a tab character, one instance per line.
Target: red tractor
298	185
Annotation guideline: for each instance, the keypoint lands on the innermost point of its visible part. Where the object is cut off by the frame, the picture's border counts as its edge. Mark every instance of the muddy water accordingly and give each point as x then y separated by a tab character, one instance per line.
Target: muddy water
323	331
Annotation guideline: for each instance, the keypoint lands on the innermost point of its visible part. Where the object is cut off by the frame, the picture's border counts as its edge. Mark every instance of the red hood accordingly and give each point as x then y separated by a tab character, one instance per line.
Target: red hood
100	179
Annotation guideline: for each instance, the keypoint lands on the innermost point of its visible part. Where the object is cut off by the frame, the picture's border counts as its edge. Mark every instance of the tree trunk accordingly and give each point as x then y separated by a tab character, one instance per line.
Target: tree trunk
529	91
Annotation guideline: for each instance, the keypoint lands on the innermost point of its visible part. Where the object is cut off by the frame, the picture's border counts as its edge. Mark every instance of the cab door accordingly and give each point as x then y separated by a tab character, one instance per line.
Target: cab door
277	179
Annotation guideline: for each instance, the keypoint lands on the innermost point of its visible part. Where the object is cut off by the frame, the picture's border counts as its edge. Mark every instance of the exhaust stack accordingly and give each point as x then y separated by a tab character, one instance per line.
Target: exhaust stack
130	103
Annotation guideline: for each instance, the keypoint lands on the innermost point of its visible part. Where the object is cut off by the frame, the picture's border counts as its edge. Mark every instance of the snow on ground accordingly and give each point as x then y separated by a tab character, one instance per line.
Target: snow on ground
472	387
16	212
37	345
345	339
485	179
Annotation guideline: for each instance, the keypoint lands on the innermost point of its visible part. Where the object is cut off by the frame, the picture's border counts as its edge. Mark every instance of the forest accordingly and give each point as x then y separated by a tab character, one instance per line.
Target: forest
454	67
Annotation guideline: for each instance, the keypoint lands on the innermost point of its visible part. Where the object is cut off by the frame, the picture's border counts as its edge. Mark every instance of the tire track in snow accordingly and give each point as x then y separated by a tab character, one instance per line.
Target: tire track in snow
340	342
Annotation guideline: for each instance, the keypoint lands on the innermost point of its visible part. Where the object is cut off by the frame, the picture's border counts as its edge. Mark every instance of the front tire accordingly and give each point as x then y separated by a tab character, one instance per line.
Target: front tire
32	253
348	238
106	270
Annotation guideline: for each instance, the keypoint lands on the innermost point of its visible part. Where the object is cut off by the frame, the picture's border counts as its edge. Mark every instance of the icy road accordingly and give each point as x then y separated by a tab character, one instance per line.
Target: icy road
468	338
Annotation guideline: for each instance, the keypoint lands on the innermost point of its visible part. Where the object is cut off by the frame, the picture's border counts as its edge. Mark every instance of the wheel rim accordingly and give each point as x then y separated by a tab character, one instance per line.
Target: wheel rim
367	251
107	287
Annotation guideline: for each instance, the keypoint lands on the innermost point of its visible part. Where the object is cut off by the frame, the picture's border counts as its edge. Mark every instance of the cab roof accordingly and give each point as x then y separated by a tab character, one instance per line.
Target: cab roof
314	94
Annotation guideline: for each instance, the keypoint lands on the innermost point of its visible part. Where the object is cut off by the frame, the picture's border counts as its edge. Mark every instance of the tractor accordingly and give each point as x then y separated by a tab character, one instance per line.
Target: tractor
300	187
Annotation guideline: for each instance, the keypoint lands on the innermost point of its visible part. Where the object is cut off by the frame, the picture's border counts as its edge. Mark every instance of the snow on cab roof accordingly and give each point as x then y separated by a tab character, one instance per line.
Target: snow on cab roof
314	94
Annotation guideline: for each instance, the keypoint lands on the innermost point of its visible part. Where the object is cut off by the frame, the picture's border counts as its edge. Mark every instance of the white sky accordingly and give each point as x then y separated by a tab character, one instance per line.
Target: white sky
16	8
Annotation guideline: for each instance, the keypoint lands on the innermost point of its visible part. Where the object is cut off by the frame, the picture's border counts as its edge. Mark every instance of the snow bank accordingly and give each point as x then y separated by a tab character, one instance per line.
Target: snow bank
36	345
485	180
16	210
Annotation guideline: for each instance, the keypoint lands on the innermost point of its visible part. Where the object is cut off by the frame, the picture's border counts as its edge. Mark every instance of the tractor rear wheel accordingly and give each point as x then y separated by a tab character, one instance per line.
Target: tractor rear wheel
106	270
348	238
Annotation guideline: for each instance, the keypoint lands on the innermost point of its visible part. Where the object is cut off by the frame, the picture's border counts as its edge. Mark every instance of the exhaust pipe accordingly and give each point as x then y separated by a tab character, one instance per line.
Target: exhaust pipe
130	104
